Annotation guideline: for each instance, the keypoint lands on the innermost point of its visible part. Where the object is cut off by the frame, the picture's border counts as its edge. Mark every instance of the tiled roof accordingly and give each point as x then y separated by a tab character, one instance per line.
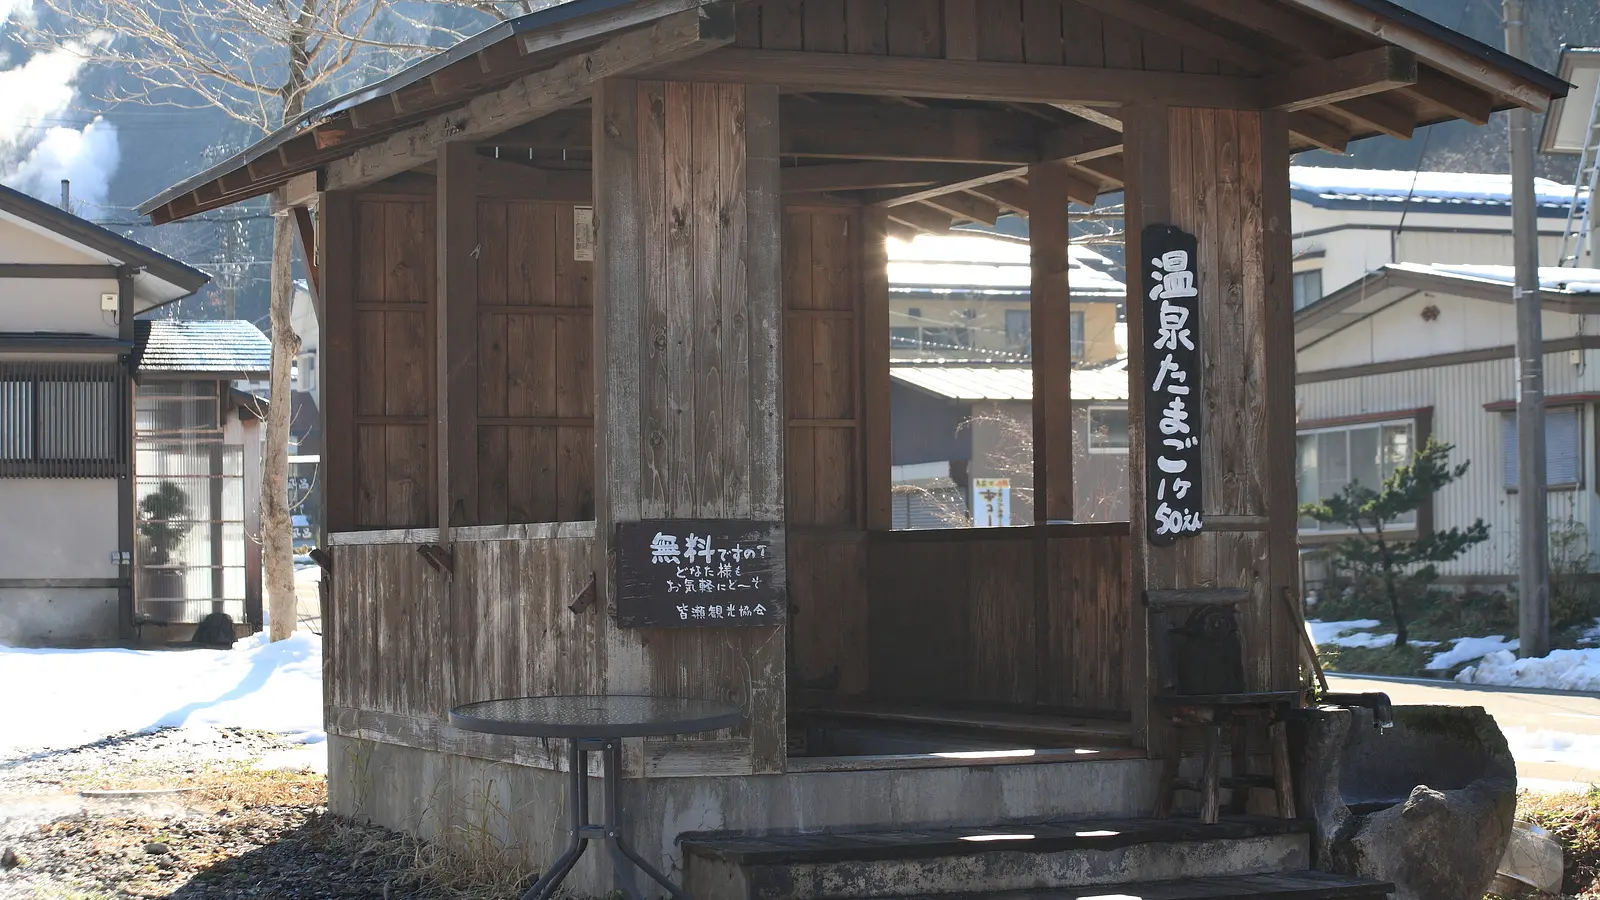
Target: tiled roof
231	347
1424	191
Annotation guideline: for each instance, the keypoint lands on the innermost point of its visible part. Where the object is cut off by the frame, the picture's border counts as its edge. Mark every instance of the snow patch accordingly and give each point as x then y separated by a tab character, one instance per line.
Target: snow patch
1546	746
1353	633
1564	670
1470	648
74	697
1420	188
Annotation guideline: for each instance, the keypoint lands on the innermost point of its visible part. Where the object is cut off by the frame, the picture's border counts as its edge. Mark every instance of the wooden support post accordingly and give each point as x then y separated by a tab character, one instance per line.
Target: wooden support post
688	343
338	215
1148	200
1222	176
457	336
1051	339
127	485
305	238
874	274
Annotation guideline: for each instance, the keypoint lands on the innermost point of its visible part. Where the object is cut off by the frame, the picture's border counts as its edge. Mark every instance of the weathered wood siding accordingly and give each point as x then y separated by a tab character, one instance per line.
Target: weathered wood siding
393	348
1222	175
960	618
822	370
535	366
1045	32
404	644
688	341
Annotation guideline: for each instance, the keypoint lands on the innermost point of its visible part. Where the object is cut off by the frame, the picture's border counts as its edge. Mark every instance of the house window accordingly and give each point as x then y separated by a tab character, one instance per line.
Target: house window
1307	288
1563	448
1019	328
1367	454
1076	335
61	420
1108	429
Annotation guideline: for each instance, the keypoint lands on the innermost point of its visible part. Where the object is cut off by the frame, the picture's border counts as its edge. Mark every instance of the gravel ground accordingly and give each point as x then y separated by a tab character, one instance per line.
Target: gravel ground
203	814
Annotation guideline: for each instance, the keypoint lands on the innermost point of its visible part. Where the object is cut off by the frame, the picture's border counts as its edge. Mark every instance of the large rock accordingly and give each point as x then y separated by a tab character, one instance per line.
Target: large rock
1427	804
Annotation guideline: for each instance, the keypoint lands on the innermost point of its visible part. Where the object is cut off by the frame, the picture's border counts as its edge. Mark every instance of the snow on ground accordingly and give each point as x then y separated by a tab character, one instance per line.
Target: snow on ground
1352	633
1470	648
1566	670
75	697
1545	746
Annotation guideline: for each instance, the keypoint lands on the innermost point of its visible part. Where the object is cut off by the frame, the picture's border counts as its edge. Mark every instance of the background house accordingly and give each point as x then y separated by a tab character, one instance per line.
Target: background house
1412	351
91	401
965	295
1348	222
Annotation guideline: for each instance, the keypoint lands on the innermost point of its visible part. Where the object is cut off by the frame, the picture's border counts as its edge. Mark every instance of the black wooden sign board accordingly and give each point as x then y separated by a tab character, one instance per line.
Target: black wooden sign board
1172	389
700	573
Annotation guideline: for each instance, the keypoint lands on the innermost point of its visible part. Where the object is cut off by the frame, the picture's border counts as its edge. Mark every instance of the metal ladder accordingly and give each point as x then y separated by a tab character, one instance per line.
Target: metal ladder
1575	238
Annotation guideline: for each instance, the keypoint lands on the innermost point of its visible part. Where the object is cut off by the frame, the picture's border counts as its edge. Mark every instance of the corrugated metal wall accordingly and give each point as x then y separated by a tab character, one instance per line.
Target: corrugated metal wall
1457	395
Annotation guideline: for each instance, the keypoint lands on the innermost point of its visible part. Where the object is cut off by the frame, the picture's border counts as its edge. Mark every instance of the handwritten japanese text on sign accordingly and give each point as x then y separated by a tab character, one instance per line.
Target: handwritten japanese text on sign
679	573
1172	400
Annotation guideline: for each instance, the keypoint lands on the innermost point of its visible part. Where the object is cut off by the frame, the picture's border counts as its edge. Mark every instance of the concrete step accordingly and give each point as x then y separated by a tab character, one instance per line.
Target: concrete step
1281	886
988	859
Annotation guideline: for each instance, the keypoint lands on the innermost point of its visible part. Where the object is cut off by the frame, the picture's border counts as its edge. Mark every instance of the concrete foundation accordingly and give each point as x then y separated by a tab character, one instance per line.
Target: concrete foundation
490	807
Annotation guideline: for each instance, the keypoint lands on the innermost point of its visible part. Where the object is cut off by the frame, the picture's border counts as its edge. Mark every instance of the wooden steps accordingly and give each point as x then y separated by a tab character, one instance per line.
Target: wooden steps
991	860
1281	886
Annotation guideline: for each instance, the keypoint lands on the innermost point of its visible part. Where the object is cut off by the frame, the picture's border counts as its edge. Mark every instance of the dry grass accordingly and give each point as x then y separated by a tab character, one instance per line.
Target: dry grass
1574	820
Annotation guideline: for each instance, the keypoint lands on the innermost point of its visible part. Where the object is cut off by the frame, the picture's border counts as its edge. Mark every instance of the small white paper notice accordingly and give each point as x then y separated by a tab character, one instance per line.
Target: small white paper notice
583	233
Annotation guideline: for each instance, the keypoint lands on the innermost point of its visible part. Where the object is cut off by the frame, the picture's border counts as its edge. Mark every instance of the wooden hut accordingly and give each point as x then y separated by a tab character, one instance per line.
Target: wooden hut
622	261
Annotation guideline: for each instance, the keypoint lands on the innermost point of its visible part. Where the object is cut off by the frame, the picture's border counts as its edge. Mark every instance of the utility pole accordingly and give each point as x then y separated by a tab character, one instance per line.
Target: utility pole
1533	568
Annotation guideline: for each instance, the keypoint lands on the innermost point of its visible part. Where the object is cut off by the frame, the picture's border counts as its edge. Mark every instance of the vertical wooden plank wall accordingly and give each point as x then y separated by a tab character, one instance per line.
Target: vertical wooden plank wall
535	369
1043	32
687	349
392	361
834	282
1222	175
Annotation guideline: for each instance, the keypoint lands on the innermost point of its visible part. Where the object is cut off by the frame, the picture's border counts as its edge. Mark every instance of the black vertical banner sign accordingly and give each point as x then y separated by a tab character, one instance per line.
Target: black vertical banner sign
1172	391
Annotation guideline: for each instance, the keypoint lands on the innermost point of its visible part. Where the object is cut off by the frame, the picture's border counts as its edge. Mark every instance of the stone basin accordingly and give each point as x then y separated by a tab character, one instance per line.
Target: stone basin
1427	804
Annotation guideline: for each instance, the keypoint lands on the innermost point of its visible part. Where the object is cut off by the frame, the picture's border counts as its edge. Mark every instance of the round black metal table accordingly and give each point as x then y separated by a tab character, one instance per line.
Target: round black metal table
594	724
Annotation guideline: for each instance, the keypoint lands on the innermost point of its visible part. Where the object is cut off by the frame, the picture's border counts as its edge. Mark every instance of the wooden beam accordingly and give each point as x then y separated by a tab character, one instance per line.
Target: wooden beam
305	238
337	219
873	254
1345	78
1378	115
1106	118
901	231
56	270
302	190
907	133
1079	142
456	331
671	39
1051	339
967	80
862	176
1456	98
1448	58
963	205
1012	195
1330	136
922	218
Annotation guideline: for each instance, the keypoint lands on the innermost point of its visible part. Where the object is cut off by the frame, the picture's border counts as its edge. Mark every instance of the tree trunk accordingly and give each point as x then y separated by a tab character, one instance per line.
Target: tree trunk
1393	590
277	545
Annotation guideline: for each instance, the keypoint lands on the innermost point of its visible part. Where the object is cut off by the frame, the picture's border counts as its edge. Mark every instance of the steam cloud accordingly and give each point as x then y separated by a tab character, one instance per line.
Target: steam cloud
36	152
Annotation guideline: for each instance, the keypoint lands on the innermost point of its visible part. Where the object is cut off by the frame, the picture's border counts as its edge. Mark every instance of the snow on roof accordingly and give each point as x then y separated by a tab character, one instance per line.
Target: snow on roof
1551	278
1328	185
224	346
978	382
975	261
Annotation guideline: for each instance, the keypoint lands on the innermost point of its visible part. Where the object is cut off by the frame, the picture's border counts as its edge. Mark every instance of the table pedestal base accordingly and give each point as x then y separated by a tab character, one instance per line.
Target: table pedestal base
609	831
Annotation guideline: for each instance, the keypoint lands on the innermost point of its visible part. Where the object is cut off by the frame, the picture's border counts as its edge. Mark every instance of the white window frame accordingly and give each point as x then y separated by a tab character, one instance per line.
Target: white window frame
1089	427
1330	530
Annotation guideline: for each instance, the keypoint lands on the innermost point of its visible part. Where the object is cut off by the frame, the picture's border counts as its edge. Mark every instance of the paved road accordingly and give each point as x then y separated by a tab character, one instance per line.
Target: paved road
1555	737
